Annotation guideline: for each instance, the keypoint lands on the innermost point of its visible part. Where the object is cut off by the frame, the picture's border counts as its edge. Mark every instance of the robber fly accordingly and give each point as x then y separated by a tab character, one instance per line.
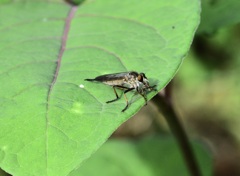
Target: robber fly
126	81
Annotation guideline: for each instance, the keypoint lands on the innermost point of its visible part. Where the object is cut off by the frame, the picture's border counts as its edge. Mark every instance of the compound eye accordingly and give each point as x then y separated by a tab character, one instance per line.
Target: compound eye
140	78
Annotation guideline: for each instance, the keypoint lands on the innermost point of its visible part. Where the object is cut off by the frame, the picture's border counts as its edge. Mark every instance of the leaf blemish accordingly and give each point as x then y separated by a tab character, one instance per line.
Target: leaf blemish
44	19
77	108
4	148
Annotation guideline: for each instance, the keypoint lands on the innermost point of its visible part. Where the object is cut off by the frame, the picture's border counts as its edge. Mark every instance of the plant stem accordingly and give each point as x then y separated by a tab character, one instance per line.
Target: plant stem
164	104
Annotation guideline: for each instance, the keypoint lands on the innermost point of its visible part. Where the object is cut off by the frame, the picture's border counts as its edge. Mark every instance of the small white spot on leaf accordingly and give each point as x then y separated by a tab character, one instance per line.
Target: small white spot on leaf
81	86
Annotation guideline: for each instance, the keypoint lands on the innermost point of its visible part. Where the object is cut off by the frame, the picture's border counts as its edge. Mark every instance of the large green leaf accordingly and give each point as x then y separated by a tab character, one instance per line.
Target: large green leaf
50	118
155	156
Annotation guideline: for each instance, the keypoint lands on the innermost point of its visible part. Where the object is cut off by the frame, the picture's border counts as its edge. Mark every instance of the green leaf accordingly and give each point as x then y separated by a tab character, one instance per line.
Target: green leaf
156	156
51	120
217	14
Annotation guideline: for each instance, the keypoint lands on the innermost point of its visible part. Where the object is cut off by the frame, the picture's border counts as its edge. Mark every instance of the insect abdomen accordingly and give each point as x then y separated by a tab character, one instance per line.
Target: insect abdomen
113	82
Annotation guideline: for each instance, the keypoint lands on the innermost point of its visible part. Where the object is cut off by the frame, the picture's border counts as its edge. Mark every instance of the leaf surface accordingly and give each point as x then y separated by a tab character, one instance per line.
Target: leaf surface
51	120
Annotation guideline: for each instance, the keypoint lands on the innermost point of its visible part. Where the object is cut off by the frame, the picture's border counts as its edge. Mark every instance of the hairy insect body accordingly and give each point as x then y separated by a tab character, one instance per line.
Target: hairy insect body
114	82
127	81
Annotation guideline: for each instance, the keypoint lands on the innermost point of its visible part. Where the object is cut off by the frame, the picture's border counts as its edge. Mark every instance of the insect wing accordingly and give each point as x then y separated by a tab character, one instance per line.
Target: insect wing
111	77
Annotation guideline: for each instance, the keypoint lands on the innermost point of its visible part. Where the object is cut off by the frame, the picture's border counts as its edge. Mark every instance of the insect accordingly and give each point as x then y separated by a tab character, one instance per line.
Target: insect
127	81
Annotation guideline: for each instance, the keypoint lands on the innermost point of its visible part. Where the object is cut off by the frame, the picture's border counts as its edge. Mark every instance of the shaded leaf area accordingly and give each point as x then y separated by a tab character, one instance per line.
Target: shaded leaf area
217	14
152	156
49	116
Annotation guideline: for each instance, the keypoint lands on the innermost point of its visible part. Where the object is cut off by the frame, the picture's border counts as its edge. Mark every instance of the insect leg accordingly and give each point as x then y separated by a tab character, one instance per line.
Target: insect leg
144	94
117	97
145	98
153	88
126	91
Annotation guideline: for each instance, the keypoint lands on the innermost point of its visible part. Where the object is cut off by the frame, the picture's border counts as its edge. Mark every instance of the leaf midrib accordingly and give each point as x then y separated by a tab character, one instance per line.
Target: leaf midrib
68	20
